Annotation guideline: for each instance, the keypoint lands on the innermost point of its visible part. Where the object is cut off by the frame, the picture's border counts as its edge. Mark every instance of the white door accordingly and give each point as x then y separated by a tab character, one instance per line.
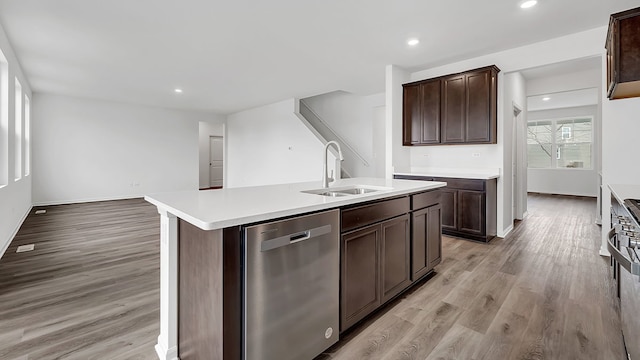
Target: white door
216	161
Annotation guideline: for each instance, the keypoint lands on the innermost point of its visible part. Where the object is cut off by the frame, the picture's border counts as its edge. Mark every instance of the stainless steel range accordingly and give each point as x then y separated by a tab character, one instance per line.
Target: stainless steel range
624	244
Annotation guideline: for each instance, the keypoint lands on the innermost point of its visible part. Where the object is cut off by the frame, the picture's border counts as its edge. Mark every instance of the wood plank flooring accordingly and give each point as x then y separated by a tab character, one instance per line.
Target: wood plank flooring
90	290
543	292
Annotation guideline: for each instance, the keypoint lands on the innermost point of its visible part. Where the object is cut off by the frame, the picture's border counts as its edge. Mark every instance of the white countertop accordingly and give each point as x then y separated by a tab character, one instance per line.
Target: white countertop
625	191
217	209
481	174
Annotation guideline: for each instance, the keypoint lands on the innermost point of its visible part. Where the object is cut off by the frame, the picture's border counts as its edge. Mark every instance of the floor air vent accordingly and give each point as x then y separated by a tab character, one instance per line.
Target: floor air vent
39	212
25	248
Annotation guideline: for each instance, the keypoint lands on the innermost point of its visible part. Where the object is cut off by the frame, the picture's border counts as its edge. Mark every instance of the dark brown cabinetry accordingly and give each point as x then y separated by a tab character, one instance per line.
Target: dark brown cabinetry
385	247
421	111
623	55
469	206
395	252
375	257
453	109
426	234
360	275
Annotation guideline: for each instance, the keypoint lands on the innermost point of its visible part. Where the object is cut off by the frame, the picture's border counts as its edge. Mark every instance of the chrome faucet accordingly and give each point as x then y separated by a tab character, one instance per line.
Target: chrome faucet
326	177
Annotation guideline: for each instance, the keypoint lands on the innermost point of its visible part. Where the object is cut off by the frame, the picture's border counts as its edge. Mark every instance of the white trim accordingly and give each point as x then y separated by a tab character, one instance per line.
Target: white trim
604	252
86	200
15	232
167	346
505	232
166	354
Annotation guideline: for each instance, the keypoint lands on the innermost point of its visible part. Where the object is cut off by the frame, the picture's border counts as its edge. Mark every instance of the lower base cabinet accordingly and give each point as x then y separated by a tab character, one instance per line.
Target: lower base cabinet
386	247
375	267
426	240
469	206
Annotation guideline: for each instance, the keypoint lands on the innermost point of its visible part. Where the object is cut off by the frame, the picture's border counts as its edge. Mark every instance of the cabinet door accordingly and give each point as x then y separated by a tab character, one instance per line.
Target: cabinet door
478	116
419	228
430	112
449	202
360	278
453	109
395	253
411	114
471	212
434	236
426	242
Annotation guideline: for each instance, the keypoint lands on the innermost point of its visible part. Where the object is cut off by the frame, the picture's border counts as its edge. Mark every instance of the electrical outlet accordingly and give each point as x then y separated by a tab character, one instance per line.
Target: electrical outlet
475	154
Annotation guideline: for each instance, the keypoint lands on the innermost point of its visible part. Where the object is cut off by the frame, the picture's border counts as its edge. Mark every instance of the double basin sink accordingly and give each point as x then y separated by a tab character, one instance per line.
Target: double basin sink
346	191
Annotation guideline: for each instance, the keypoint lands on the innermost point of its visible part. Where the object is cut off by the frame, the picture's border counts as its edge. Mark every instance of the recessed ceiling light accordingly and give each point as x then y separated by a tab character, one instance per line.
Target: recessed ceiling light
529	3
413	42
546	98
177	91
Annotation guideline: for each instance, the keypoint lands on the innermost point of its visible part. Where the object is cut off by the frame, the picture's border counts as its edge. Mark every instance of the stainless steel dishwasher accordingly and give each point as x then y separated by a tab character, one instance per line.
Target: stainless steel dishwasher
291	287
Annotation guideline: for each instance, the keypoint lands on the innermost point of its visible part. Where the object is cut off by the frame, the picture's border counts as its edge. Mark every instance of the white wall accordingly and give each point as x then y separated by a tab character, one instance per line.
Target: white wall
270	145
86	150
620	129
514	96
575	46
15	196
398	156
352	118
581	182
570	81
206	129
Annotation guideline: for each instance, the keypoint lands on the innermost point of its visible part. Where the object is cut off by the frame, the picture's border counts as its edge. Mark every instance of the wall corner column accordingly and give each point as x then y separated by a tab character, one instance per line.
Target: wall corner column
167	346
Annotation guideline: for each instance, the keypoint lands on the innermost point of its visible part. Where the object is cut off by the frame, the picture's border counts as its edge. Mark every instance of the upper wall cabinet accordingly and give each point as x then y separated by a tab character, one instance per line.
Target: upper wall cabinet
623	55
452	109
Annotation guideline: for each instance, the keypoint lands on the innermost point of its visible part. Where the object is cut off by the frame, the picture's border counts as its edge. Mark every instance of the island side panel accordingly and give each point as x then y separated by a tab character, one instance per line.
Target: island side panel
210	303
232	294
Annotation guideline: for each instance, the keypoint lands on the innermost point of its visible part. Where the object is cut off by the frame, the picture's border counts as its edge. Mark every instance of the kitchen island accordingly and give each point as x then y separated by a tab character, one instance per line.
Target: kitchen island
201	266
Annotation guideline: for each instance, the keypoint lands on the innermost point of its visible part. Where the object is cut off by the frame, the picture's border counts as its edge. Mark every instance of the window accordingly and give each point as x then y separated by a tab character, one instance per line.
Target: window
560	143
18	132
4	120
27	136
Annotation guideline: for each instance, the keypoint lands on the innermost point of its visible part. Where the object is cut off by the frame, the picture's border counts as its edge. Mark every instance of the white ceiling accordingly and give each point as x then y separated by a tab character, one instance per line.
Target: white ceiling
232	55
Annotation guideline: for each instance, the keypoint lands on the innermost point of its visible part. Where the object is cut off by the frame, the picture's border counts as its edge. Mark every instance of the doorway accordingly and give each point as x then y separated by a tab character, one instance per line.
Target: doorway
216	162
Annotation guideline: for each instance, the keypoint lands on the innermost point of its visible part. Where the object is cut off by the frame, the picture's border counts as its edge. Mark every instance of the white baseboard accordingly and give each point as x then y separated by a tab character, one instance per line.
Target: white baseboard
166	354
86	200
15	232
505	232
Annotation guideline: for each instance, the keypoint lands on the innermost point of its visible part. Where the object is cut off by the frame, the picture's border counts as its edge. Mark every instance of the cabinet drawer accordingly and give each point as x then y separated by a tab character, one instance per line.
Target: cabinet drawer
463	184
356	217
419	201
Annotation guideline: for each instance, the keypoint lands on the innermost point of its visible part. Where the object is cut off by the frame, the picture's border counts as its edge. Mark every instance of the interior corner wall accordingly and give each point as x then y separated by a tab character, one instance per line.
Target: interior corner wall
15	196
620	129
206	129
270	145
514	96
397	158
352	118
89	150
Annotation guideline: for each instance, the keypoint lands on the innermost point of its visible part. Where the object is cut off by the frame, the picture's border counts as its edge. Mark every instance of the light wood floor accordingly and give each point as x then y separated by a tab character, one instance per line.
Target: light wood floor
90	291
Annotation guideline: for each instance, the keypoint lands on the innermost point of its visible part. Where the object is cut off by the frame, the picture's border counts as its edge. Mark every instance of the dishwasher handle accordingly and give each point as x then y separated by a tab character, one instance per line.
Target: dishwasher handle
294	238
631	267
